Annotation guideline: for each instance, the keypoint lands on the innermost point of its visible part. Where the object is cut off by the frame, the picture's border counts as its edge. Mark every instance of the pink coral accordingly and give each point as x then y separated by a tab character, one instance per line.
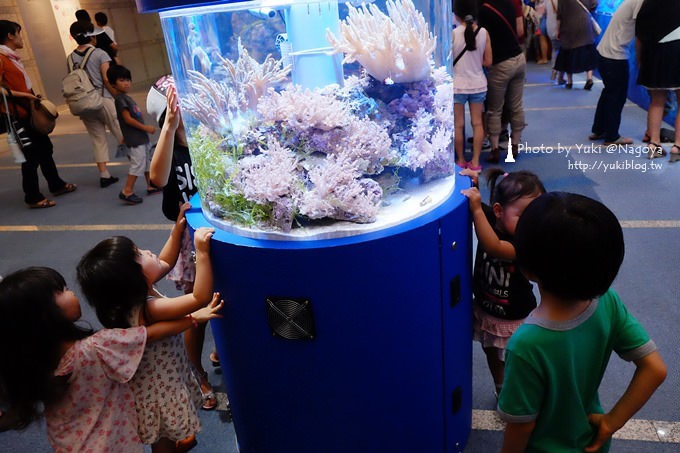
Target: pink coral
303	109
339	193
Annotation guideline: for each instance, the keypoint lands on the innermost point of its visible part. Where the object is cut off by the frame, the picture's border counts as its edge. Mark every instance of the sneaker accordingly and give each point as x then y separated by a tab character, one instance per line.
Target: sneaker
130	199
106	182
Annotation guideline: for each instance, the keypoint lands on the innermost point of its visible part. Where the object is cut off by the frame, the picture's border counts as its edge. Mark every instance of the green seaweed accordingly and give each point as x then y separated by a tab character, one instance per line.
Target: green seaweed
215	165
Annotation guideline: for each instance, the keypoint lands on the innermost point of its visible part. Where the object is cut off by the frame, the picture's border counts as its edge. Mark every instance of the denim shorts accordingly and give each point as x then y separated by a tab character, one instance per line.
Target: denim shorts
472	98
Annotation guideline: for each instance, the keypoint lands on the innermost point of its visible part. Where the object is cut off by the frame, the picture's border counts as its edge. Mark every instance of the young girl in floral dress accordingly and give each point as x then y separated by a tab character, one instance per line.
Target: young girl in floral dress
80	376
118	279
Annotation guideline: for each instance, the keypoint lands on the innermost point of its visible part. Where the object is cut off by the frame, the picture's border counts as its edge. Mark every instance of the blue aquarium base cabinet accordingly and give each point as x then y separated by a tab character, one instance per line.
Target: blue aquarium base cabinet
353	344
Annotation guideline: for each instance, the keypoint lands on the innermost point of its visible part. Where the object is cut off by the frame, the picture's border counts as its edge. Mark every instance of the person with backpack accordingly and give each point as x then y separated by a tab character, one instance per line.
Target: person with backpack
95	62
37	147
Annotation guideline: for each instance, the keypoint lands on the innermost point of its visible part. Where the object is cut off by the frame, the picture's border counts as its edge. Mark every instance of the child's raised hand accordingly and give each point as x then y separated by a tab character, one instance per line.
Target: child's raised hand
172	112
473	174
181	219
210	311
474	196
202	239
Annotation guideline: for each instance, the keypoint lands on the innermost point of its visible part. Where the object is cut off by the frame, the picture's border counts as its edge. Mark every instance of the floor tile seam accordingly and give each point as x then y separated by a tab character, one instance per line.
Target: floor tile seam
635	429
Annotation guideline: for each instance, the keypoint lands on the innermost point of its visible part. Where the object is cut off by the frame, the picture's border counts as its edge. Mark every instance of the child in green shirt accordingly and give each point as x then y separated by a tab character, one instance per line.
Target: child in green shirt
572	247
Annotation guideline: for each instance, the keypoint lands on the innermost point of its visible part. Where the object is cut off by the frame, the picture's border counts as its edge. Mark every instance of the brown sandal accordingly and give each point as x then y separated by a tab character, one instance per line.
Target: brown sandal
654	150
675	156
42	204
68	188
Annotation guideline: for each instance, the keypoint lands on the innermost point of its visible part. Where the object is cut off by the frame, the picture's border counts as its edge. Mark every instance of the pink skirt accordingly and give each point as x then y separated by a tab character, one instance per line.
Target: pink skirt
490	331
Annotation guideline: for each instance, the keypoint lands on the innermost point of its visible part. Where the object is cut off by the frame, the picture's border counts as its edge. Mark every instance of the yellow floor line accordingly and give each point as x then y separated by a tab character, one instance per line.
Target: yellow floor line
109	164
635	429
129	227
568	107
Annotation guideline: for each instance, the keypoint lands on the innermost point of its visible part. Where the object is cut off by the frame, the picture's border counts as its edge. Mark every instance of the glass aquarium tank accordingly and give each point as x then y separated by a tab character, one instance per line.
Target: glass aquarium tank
310	119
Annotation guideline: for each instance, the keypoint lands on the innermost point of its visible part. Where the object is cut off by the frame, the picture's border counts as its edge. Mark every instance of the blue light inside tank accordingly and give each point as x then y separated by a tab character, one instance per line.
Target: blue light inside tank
147	6
608	6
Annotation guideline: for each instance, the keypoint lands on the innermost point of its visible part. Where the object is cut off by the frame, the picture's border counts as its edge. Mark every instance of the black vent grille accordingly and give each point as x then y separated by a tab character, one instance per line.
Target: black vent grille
290	318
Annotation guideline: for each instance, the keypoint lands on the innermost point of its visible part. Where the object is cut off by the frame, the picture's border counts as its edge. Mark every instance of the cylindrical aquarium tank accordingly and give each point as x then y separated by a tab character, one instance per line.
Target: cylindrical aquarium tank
321	136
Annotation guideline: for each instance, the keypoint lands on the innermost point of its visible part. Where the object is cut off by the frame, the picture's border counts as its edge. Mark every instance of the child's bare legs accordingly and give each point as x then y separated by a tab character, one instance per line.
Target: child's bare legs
129	188
193	342
476	113
496	366
459	124
543	44
149	186
655	115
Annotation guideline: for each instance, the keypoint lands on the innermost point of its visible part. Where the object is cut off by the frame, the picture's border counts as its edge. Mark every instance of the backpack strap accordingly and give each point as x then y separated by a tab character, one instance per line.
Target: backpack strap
81	65
460	55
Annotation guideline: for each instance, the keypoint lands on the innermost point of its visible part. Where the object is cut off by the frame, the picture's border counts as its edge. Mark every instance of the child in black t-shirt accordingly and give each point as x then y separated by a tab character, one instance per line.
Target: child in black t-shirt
171	169
503	297
135	133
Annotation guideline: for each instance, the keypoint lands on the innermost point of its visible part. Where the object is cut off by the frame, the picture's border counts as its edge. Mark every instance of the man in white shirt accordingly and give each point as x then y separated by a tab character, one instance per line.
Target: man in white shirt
614	50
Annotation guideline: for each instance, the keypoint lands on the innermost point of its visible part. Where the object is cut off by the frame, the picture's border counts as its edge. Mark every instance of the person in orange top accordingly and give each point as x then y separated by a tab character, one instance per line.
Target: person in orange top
37	148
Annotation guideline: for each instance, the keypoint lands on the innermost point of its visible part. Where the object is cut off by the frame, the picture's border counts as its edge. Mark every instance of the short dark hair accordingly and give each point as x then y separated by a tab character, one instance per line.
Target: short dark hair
7	27
83	15
573	245
113	281
81	32
101	18
117	72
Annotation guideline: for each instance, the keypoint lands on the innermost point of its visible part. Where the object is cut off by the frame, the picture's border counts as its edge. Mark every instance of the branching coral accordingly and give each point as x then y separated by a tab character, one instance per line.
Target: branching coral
223	105
396	47
271	179
303	109
339	192
214	104
429	148
252	79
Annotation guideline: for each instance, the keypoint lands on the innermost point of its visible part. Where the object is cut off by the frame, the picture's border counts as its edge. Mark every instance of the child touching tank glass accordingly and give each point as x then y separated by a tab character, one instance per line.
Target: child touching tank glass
503	297
80	376
118	279
572	247
171	170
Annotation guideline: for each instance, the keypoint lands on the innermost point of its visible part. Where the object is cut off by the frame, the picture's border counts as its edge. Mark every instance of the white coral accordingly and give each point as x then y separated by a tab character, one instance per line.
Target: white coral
225	106
252	79
268	176
429	149
397	47
338	193
304	109
212	103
